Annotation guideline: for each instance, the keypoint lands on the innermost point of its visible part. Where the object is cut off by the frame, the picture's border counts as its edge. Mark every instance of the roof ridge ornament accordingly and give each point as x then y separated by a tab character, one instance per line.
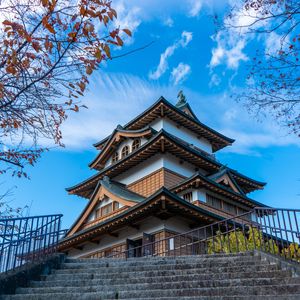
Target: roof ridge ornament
181	99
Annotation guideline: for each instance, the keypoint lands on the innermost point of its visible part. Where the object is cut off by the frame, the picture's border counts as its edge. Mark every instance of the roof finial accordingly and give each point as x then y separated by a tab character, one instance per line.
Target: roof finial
181	100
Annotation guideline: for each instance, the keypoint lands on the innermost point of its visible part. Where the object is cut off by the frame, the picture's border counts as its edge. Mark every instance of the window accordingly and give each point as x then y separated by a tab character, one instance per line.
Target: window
107	209
229	208
215	202
98	213
116	205
125	151
136	144
171	244
115	157
188	197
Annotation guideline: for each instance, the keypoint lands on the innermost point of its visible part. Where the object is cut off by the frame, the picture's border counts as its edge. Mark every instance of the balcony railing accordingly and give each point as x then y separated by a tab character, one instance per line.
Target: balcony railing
271	230
28	239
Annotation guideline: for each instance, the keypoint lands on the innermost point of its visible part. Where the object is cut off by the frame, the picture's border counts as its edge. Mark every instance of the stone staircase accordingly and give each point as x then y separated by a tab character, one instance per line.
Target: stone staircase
234	276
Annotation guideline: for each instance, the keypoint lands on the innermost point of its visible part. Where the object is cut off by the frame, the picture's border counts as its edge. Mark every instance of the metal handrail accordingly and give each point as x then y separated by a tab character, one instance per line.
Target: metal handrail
274	230
27	239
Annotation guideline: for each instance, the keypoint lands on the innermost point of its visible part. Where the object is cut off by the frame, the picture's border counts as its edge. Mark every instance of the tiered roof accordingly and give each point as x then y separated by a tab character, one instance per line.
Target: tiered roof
161	204
163	108
162	142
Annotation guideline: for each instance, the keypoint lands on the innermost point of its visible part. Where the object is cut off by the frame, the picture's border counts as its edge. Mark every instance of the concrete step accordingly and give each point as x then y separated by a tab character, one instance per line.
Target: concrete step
158	272
122	264
255	266
172	273
181	292
90	279
57	286
95	296
215	277
160	258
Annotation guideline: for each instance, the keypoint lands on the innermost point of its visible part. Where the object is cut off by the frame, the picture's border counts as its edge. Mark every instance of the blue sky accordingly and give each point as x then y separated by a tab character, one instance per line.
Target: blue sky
186	54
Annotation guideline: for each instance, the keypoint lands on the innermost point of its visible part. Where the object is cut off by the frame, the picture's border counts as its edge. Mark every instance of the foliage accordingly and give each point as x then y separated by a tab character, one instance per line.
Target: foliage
48	49
274	75
239	241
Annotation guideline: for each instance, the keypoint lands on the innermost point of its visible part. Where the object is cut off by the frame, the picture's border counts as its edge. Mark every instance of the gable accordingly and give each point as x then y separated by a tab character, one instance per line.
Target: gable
117	140
228	182
105	193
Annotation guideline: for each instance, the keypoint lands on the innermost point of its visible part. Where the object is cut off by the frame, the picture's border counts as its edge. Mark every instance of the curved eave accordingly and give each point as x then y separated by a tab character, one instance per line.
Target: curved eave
161	142
162	195
103	156
247	183
216	187
163	107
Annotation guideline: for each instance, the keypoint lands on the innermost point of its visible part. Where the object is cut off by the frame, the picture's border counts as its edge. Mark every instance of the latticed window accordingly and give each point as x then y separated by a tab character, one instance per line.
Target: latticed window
115	157
213	201
136	144
107	209
188	196
125	151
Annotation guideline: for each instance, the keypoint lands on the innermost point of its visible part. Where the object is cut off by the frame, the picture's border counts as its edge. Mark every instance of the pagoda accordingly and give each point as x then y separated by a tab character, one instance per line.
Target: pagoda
157	176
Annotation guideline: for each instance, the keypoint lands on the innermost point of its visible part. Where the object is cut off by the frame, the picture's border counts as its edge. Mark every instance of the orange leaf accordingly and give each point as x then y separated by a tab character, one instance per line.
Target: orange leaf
6	23
50	28
44	3
128	32
120	42
107	50
89	70
36	46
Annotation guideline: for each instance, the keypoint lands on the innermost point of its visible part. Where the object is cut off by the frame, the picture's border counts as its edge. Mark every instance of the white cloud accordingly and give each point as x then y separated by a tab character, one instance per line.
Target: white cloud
163	65
180	73
215	80
273	43
229	51
128	18
117	98
112	99
195	7
168	22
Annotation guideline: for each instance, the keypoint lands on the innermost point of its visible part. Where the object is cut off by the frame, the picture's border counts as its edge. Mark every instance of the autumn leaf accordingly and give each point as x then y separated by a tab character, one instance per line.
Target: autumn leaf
45	3
120	42
107	50
7	23
89	70
128	32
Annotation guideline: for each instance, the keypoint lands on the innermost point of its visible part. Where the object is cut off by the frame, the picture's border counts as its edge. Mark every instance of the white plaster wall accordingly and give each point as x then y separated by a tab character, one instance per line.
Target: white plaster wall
173	163
146	167
182	133
150	225
197	194
157	124
200	195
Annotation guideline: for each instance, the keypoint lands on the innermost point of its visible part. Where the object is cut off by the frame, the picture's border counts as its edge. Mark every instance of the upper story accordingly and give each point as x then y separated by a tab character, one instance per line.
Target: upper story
178	121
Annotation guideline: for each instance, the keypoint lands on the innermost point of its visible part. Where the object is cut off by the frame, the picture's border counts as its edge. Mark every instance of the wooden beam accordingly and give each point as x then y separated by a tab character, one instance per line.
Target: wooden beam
135	226
162	113
113	234
95	241
78	247
162	145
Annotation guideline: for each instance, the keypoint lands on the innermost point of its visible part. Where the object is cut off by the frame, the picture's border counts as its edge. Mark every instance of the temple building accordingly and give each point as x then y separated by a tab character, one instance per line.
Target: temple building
156	176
